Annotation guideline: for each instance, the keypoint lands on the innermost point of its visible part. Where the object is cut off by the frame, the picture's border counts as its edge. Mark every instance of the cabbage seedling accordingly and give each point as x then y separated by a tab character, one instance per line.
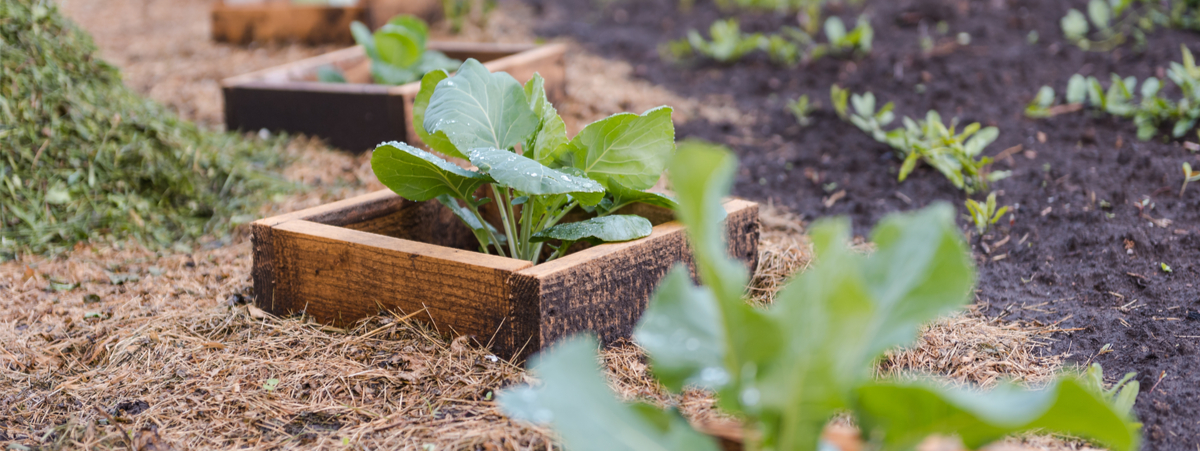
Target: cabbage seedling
802	109
785	370
397	51
525	164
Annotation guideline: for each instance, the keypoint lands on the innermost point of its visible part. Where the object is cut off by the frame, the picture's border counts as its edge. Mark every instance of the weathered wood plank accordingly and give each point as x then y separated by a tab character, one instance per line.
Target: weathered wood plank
284	22
358	116
338	275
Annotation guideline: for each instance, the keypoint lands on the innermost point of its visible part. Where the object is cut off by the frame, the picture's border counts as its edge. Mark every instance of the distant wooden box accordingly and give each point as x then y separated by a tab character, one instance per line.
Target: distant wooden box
358	115
285	21
378	253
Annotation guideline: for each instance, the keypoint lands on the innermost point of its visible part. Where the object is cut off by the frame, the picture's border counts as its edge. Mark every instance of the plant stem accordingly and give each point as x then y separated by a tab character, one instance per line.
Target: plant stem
562	250
504	208
491	236
526	226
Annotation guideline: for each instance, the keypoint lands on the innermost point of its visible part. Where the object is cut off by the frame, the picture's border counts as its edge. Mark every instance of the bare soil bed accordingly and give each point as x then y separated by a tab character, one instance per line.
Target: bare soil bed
1063	259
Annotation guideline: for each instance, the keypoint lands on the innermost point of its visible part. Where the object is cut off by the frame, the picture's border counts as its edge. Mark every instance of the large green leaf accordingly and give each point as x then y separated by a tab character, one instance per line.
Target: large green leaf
702	174
603	229
438	140
476	108
624	196
530	177
905	413
551	136
574	398
399	46
418	175
627	148
681	330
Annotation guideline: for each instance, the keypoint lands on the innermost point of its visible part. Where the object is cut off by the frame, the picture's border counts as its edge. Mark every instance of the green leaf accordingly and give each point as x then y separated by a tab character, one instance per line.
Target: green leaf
702	173
835	30
418	175
480	230
623	196
551	136
603	229
387	74
575	399
438	140
528	176
362	35
399	46
626	148
330	74
1077	89
1100	13
910	163
904	414
1150	87
682	332
1074	25
476	108
977	143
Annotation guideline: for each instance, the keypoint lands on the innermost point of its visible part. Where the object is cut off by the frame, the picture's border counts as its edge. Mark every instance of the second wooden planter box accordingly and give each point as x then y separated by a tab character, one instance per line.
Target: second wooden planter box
358	115
377	253
243	22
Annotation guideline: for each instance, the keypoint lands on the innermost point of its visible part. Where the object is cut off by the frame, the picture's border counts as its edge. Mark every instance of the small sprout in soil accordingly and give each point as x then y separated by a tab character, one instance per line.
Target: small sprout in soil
1109	24
787	47
1165	268
1121	395
525	164
957	155
270	384
460	12
802	109
785	370
397	51
985	215
1188	176
1150	113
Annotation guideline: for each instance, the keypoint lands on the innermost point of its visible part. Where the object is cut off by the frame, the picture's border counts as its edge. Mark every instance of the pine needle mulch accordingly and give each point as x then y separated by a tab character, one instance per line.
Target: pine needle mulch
111	348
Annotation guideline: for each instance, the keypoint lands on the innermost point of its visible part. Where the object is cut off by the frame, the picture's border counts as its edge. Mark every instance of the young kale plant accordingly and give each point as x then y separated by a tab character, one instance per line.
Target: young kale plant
1151	113
786	370
397	51
985	215
955	154
527	165
802	109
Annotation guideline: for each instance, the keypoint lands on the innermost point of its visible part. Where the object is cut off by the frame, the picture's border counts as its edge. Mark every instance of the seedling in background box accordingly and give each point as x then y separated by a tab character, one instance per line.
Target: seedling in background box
787	47
397	52
535	175
955	154
784	371
985	215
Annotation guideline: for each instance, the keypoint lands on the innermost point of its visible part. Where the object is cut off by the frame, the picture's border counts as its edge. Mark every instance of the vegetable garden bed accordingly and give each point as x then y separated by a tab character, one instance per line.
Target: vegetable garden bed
285	21
1085	248
353	259
357	115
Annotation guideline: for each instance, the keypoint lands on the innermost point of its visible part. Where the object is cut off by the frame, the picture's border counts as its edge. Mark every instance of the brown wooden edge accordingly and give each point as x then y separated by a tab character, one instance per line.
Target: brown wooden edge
283	21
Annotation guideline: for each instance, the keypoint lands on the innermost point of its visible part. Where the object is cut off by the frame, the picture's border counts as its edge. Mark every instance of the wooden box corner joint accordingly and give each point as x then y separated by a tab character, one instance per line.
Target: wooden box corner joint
379	253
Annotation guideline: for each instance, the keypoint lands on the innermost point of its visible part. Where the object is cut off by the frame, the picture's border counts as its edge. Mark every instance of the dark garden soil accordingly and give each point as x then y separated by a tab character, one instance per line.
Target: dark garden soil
1066	258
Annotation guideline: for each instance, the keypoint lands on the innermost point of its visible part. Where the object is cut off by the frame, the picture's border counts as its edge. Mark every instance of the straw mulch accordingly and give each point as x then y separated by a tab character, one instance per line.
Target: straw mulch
106	347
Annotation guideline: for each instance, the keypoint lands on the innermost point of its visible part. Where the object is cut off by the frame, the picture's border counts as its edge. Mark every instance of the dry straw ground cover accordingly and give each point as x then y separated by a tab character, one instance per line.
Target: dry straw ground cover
108	340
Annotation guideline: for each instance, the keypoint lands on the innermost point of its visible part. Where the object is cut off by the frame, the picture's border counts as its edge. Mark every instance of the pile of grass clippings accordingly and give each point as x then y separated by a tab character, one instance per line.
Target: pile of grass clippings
87	159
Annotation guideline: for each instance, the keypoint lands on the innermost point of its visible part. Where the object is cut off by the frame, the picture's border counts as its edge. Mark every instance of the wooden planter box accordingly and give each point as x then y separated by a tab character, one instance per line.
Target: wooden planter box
284	21
358	115
376	253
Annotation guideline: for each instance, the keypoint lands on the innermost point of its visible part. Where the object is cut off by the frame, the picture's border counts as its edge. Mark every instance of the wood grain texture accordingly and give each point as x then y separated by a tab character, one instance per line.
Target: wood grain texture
380	11
338	275
284	22
358	116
